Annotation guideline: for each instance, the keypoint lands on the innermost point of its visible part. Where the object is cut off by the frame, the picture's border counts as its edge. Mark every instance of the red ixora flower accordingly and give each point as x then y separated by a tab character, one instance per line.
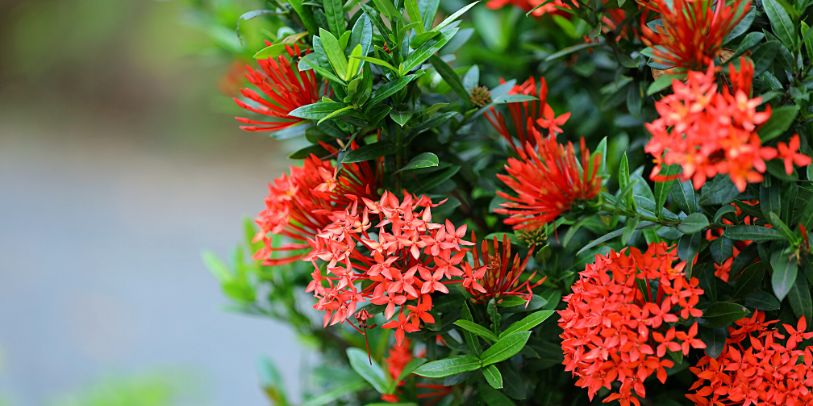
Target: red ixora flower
709	132
301	202
691	32
527	116
283	88
389	253
759	365
547	179
496	274
626	311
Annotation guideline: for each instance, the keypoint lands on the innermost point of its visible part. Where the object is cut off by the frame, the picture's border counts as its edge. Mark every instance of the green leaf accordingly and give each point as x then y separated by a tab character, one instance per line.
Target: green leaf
271	51
762	300
354	63
514	98
388	8
784	273
431	181
305	15
722	314
362	33
334	12
753	233
742	26
334	114
694	223
420	161
471	341
451	78
331	396
506	347
799	298
748	43
624	179
493	376
414	15
783	228
334	52
368	152
379	62
450	19
662	189
528	322
367	369
719	191
390	88
572	49
429	48
316	111
449	366
662	82
477	329
401	117
780	121
781	24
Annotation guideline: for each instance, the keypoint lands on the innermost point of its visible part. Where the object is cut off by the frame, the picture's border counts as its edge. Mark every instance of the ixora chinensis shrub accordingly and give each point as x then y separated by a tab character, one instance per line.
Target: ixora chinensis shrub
542	202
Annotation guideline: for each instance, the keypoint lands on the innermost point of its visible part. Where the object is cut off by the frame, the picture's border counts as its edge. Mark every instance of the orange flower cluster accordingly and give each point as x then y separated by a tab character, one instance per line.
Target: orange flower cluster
759	365
284	89
301	202
527	116
496	274
708	132
547	179
622	318
691	32
390	253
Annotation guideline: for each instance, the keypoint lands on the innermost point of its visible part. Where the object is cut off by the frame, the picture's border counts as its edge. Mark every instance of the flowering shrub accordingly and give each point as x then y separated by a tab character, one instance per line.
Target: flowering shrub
542	202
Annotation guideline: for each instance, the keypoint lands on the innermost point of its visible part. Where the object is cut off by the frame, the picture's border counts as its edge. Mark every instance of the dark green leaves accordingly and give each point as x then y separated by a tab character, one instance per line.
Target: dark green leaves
780	121
753	233
421	161
493	376
721	314
528	322
477	329
368	152
695	222
334	12
781	24
449	366
784	273
369	370
506	347
317	111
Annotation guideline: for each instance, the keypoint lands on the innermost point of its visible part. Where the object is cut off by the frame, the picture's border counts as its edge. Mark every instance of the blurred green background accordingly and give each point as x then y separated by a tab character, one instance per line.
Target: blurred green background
119	164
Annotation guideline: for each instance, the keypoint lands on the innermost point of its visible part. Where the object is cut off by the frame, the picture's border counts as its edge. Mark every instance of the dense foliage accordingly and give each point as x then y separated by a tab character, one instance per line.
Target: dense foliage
529	201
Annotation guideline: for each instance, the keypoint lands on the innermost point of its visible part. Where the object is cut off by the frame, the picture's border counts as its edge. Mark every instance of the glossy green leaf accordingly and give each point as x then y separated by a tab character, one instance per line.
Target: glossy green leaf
493	376
454	16
421	161
334	12
528	322
316	111
449	366
781	23
368	152
694	223
780	121
390	88
477	329
753	233
334	51
800	299
367	369
450	77
783	276
506	347
722	314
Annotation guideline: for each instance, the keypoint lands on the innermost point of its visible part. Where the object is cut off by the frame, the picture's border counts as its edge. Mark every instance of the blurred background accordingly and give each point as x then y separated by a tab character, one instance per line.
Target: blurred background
119	164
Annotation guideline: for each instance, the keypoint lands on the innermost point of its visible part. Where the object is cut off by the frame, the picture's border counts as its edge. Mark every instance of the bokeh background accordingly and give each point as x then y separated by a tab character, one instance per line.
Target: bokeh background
119	165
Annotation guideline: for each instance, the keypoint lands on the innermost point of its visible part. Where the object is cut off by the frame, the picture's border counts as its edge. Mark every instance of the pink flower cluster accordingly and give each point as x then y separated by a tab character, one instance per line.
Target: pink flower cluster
390	253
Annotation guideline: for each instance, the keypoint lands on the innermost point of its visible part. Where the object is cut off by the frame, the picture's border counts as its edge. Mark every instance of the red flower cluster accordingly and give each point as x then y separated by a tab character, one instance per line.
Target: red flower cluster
547	179
759	365
527	116
301	202
496	274
390	253
284	88
708	132
622	318
691	32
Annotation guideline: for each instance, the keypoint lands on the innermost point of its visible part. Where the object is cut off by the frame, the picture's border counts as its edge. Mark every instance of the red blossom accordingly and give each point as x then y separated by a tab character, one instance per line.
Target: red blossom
547	179
789	154
496	274
386	252
301	202
709	132
617	332
283	87
527	116
759	365
691	32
